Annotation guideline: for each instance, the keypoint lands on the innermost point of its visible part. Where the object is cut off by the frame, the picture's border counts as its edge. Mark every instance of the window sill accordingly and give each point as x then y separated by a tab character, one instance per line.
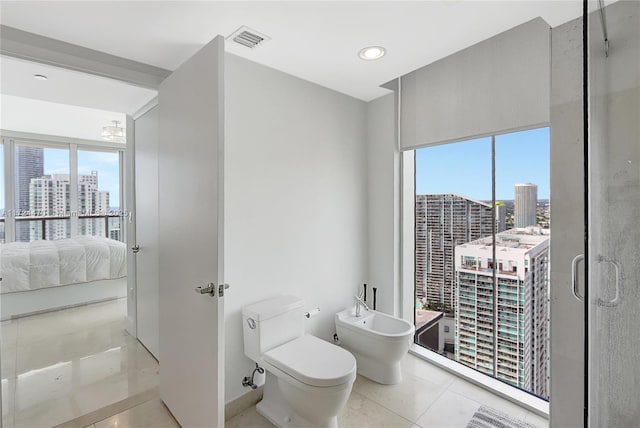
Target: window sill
515	395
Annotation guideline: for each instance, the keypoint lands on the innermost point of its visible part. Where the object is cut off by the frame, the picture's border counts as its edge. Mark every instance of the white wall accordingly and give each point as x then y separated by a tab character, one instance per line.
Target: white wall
296	210
383	204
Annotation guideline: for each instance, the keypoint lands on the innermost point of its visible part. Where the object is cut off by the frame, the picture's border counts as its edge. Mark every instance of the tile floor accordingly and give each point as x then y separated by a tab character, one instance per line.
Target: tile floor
60	365
427	397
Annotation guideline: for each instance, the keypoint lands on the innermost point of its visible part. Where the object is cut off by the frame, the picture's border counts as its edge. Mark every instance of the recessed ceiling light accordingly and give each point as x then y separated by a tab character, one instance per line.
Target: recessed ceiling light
40	77
371	53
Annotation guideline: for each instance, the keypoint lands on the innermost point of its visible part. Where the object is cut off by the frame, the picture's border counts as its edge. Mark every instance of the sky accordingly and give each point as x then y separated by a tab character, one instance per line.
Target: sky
465	167
56	161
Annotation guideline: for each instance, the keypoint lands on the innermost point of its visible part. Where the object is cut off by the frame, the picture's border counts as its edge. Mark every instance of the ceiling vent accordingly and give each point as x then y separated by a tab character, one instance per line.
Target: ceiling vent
245	36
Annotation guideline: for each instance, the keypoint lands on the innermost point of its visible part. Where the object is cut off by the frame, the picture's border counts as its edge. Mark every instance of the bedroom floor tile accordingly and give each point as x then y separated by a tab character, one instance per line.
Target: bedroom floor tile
78	387
72	362
71	346
78	319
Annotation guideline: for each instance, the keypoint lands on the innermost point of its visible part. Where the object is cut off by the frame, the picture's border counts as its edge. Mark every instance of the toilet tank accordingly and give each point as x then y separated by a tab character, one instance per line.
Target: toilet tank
270	323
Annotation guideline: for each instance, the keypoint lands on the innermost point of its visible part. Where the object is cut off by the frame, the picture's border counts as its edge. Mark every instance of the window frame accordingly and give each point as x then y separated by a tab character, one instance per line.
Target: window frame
407	231
12	138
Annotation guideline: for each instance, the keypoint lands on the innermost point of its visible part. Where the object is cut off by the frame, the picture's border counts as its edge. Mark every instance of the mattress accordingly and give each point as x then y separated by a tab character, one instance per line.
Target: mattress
41	264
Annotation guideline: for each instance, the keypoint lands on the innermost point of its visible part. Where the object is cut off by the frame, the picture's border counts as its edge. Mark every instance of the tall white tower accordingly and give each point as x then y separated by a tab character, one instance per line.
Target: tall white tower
526	204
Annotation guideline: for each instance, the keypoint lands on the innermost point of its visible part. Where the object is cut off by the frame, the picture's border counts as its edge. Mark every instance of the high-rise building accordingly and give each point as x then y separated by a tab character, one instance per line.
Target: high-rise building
50	195
442	222
29	164
502	315
501	217
115	234
526	204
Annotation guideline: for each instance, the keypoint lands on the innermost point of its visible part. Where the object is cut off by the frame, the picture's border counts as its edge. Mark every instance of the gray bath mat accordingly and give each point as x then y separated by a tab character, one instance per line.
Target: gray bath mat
486	417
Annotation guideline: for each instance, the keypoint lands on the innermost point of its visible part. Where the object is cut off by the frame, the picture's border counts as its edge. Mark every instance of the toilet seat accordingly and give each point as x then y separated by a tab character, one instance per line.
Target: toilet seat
313	362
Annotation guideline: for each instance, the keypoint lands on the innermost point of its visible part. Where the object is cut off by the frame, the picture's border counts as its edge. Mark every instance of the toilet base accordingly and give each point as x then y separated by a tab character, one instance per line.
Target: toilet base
273	405
275	409
382	372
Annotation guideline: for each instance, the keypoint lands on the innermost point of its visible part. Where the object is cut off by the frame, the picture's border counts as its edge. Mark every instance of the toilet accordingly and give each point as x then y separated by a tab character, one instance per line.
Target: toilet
308	380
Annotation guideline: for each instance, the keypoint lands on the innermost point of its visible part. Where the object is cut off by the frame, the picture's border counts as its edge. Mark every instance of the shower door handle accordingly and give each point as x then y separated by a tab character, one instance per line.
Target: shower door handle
574	277
617	299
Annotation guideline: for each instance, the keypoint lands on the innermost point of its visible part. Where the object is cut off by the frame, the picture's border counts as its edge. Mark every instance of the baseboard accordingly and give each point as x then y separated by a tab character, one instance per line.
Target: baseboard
242	403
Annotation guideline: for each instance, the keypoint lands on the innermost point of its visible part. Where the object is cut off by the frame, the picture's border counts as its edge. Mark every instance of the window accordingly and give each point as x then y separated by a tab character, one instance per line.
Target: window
99	193
54	197
42	192
481	214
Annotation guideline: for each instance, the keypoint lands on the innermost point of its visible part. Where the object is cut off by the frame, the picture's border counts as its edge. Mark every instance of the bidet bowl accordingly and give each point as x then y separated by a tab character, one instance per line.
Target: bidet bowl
377	340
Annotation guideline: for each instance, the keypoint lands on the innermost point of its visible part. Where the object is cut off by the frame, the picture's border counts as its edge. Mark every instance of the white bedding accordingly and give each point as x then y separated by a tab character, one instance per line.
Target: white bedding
40	264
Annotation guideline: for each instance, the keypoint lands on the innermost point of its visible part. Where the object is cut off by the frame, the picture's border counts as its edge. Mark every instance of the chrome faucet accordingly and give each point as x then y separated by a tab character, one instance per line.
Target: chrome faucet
360	302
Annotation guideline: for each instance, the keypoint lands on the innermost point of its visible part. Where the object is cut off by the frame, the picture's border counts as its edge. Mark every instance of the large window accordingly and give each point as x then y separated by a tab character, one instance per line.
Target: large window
61	190
42	192
482	255
99	193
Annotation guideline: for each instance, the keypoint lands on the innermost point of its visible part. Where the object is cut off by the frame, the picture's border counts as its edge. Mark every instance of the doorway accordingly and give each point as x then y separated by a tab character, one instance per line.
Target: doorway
66	346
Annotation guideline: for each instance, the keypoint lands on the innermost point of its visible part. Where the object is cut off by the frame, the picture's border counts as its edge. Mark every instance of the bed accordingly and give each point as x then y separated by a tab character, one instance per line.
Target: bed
45	275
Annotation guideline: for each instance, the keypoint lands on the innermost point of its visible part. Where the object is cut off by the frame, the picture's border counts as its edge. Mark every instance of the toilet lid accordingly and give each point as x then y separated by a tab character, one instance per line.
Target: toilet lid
313	361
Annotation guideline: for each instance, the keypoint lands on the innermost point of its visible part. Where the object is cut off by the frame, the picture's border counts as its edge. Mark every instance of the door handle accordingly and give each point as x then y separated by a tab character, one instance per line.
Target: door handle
574	277
617	299
211	289
135	249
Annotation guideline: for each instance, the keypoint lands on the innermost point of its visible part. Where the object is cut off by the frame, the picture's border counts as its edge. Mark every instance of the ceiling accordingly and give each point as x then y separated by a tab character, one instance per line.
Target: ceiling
70	87
316	41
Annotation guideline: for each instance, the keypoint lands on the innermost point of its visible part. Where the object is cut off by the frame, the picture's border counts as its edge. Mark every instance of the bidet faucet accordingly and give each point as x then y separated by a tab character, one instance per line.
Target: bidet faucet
360	302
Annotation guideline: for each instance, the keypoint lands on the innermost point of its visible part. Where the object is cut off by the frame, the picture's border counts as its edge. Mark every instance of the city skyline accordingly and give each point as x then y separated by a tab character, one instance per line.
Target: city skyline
49	195
56	161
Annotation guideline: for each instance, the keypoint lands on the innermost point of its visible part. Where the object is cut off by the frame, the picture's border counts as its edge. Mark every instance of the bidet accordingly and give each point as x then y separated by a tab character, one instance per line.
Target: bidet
377	340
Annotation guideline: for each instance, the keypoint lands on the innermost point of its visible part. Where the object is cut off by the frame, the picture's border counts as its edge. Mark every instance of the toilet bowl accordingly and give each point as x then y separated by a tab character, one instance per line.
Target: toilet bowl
308	380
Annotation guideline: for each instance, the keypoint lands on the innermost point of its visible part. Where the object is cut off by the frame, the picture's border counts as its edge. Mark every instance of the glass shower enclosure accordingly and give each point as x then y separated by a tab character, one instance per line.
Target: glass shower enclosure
612	257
